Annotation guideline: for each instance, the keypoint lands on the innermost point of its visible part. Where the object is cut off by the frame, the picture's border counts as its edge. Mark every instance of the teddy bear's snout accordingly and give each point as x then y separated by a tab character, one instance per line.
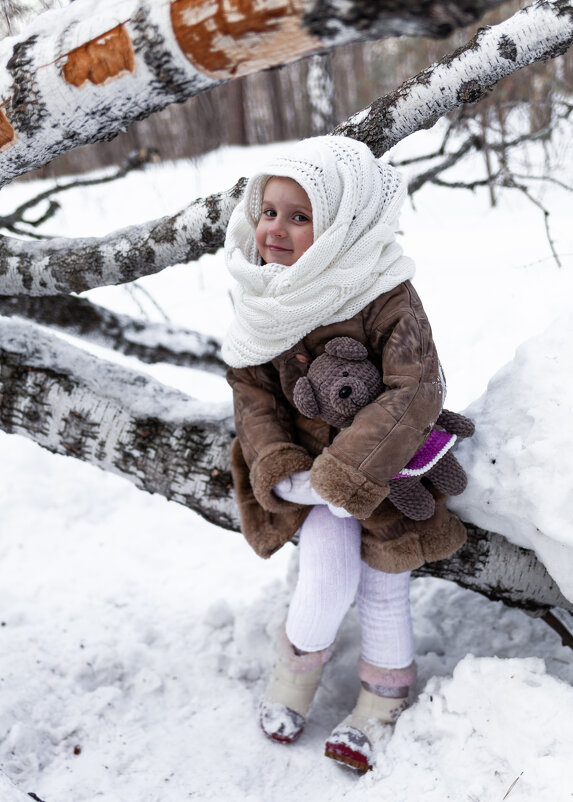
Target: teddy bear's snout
348	395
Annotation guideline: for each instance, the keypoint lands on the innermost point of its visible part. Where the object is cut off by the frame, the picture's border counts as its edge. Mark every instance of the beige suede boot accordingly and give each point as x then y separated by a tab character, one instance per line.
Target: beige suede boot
383	696
290	691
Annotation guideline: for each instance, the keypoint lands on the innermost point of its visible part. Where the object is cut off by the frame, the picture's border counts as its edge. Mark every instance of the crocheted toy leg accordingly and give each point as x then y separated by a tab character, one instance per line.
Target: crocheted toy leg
410	496
352	743
448	476
290	691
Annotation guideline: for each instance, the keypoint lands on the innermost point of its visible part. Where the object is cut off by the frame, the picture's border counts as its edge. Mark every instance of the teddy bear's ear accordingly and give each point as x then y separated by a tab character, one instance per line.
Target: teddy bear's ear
346	348
305	399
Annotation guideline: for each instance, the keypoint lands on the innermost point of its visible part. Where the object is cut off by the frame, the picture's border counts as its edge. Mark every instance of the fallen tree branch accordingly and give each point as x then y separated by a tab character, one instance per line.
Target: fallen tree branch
63	266
538	32
70	81
489	564
164	442
148	342
117	419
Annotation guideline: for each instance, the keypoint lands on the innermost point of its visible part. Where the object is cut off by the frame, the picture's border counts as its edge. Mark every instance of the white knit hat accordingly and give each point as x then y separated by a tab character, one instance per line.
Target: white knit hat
354	257
328	168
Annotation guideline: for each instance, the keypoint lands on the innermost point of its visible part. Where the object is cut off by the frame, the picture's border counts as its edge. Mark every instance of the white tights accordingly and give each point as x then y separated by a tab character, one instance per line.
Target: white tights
331	576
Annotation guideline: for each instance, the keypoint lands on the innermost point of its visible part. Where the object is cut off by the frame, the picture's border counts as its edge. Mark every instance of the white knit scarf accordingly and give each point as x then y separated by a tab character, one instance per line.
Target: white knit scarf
354	257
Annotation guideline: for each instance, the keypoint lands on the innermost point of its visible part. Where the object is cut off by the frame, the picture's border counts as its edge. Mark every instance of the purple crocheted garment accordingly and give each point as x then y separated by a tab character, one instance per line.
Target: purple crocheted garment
437	444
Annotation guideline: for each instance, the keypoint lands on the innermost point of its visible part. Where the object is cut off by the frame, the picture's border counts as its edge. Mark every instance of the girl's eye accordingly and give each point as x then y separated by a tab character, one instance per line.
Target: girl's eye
269	213
300	218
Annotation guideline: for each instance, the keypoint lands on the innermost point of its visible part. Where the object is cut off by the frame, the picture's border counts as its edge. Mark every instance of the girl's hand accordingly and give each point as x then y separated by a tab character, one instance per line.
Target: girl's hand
339	512
297	488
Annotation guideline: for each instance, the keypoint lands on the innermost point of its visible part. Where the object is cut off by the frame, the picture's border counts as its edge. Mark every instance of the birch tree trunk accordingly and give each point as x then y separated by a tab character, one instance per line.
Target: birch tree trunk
320	89
85	72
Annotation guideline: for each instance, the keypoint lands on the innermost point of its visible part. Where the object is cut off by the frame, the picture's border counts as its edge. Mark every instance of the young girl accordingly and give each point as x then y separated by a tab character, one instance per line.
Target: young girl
312	249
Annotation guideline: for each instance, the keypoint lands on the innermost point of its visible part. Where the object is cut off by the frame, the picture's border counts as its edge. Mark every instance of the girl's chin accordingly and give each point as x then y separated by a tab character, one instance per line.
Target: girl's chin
280	257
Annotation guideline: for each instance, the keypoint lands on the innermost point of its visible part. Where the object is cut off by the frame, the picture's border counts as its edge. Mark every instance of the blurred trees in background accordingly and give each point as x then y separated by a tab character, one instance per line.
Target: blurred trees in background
310	97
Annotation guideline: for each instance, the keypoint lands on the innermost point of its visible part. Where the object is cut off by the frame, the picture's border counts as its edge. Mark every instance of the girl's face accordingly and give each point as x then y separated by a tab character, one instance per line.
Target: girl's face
284	231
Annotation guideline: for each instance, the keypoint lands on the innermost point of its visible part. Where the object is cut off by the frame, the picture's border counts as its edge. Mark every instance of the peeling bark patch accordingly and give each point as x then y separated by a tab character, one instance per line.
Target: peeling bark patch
26	107
225	40
25	270
507	48
7	134
100	60
471	92
213	206
472	46
220	482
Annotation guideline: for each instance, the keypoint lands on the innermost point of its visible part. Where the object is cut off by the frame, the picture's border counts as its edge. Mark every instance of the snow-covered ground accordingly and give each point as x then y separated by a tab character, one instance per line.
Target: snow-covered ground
136	638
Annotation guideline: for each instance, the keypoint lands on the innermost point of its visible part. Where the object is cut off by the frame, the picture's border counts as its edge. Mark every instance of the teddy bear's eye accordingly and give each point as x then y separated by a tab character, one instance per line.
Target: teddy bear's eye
345	373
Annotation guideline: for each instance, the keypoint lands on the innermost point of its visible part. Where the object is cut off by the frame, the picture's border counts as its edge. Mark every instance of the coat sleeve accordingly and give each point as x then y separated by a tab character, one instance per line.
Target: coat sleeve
263	420
355	470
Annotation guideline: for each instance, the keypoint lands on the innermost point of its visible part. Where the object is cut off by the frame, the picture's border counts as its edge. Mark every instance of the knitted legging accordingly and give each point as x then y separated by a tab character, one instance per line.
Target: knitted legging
331	576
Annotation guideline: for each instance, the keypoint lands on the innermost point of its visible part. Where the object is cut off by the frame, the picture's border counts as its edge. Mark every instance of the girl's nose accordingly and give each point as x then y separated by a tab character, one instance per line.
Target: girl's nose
276	228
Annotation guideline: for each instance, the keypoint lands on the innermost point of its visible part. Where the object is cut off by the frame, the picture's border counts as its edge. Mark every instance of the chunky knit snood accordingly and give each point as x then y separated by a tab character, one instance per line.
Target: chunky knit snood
354	258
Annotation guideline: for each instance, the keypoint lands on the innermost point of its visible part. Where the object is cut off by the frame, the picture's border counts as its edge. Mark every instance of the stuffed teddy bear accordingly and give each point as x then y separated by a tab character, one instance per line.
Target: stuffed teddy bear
340	382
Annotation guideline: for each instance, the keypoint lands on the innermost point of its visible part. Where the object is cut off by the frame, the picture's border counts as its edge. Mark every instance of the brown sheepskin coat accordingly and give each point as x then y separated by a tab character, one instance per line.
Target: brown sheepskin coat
349	468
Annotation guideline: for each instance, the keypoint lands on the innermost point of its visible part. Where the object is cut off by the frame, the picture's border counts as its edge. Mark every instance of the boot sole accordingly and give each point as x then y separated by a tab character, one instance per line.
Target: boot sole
348	757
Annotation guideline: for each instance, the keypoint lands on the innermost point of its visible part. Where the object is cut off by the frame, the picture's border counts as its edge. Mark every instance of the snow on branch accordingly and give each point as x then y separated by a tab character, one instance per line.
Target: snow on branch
121	420
85	72
146	341
539	32
493	566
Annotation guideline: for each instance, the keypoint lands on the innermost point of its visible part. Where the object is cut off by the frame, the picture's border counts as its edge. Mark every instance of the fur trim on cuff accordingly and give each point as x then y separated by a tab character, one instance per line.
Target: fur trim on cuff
387	677
345	486
441	545
299	663
276	462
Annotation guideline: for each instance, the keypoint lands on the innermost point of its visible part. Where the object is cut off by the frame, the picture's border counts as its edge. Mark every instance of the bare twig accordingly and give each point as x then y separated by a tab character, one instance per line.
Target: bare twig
512	786
14	221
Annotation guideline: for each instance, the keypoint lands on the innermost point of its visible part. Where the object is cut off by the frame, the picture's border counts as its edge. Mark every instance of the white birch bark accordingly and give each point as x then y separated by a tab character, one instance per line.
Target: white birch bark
123	421
539	32
73	265
320	94
83	73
